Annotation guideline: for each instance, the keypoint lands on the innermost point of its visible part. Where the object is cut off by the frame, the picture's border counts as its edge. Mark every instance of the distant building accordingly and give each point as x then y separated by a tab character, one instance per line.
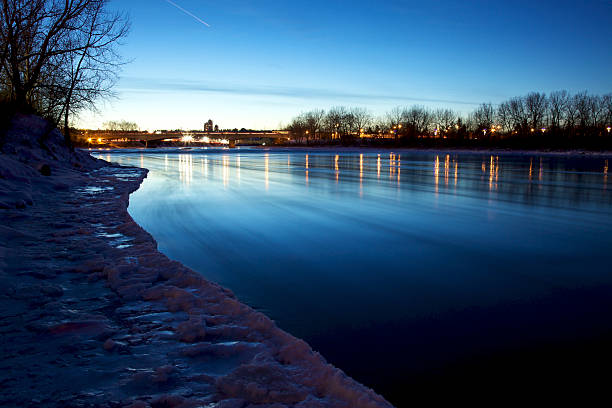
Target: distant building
208	126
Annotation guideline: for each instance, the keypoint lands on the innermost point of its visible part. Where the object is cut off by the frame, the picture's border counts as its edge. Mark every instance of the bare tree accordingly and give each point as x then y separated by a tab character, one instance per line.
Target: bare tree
298	127
337	121
393	120
59	54
483	118
606	102
585	108
444	120
504	117
314	122
416	121
362	118
518	114
558	103
536	105
120	126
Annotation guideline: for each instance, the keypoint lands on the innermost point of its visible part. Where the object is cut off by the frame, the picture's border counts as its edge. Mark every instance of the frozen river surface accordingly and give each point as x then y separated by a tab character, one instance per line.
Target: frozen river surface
406	270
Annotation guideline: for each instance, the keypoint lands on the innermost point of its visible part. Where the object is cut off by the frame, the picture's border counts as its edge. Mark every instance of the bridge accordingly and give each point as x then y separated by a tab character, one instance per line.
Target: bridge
97	137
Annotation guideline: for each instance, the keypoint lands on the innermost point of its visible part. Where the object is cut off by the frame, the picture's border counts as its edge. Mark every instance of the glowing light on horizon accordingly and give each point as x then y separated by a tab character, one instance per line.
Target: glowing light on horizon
198	19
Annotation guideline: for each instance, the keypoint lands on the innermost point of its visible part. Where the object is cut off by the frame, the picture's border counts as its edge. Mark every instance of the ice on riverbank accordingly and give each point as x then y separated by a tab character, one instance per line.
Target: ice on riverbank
91	314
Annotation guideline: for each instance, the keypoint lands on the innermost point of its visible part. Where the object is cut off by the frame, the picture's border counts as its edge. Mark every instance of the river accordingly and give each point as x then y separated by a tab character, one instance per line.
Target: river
408	270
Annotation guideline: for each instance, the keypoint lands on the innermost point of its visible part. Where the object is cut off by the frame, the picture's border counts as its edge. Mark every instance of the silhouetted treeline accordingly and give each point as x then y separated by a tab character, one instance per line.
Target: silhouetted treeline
556	120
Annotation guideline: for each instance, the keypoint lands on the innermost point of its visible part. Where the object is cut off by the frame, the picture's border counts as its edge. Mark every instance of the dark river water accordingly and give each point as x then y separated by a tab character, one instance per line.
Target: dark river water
412	272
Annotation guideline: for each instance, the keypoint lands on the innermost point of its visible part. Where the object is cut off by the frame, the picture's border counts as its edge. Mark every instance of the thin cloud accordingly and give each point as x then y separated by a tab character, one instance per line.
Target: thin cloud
173	85
198	19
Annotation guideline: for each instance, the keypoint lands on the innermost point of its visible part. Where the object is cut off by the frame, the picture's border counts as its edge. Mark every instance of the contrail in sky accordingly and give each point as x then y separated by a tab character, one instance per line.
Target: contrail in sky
198	19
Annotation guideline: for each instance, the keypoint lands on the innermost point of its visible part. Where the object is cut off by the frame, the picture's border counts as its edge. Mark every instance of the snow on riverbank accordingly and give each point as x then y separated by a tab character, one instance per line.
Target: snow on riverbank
92	315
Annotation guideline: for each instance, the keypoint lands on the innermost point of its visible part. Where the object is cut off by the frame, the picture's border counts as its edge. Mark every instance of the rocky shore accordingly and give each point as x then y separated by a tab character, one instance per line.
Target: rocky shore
92	315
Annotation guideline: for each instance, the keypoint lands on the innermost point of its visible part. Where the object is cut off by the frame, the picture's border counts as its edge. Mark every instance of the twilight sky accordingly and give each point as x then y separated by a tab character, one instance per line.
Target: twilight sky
259	63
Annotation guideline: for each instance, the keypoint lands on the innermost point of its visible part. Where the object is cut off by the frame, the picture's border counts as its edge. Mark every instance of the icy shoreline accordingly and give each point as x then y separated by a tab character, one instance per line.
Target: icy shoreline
92	315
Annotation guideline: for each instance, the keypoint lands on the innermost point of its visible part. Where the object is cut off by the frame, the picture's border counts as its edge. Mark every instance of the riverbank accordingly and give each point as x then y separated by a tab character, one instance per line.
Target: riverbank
92	315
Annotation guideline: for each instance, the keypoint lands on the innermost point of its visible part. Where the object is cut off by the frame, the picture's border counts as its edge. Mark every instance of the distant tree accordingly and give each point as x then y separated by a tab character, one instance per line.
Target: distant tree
586	108
416	121
536	105
483	119
313	120
518	114
504	117
337	121
393	120
606	102
120	126
445	120
558	103
362	118
298	127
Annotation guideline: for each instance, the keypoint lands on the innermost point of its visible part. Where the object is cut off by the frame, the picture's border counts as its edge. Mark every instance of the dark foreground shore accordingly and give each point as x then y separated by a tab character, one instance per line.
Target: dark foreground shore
92	315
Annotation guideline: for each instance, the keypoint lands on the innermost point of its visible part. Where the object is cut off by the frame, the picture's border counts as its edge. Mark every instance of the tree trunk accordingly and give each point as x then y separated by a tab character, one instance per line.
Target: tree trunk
67	125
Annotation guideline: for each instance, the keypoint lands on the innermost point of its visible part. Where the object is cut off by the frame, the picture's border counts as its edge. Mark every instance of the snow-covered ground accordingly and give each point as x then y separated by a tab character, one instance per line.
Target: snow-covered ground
92	315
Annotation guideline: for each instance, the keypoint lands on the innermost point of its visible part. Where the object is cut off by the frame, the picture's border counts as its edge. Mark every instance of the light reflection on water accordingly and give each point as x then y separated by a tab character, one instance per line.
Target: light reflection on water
335	251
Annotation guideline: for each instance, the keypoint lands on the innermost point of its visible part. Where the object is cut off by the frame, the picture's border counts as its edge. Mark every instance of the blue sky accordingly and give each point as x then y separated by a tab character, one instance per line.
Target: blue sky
261	62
